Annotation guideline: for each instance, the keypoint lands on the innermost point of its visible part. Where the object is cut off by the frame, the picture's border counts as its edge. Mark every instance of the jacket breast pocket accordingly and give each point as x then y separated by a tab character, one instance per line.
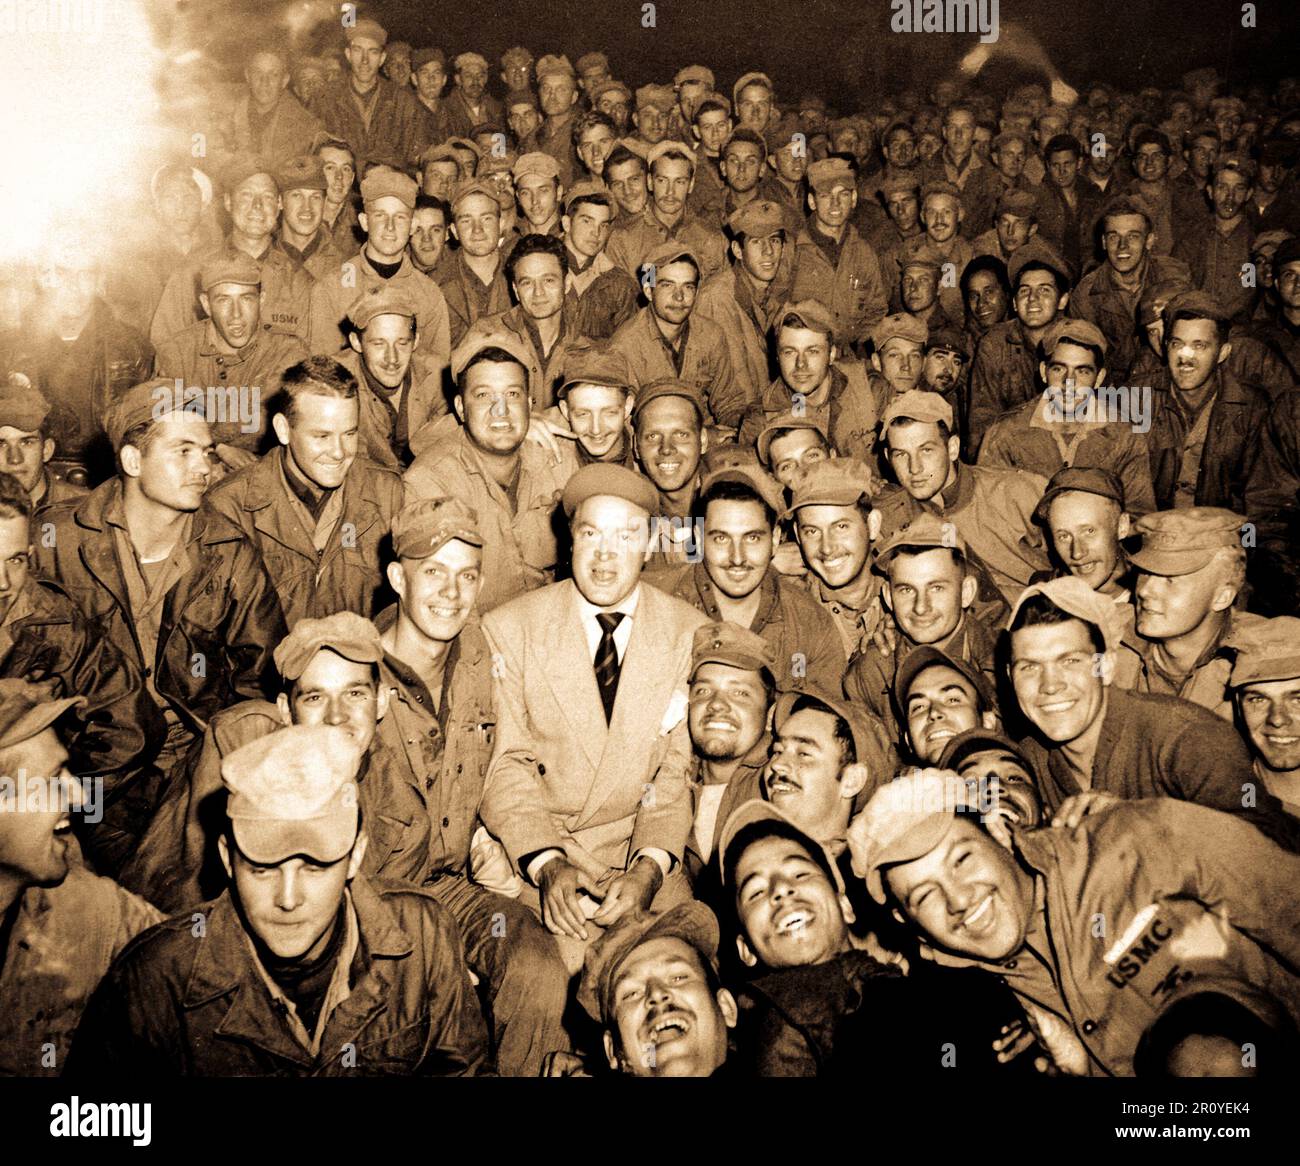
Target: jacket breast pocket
395	1053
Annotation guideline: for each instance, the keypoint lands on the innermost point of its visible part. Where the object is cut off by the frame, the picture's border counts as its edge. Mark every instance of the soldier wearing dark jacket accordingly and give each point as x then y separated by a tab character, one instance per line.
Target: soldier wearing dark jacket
181	595
368	977
315	510
1205	423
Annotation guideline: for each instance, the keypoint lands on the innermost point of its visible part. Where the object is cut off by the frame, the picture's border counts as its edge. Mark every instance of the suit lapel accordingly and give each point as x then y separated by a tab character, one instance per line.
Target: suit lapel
568	669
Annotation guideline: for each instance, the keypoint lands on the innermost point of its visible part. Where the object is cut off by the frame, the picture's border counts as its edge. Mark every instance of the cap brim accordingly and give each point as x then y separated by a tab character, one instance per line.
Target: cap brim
914	843
268	841
1171	562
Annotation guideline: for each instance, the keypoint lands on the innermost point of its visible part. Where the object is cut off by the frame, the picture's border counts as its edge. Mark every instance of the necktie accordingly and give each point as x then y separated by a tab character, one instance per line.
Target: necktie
607	665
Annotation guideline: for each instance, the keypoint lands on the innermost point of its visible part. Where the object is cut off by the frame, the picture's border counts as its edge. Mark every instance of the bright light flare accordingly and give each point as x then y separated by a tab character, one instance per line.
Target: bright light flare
77	88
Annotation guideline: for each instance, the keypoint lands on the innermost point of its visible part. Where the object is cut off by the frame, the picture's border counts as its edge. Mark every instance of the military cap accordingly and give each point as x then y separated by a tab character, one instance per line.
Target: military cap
422	57
948	338
589	62
468	186
1151	306
607	479
367	29
783	424
518	55
241	167
757	812
660	149
920	405
902	324
827	173
553	64
1020	203
659	97
441	152
1072	595
750	79
465	144
670	387
1037	253
951	189
1200	305
422	528
1084	479
608	86
925	530
921	256
230	266
867	741
381	300
785	134
345	634
905	820
385	182
980	740
814	315
691	922
670	251
694	73
474	341
1238	162
757	219
22	407
729	643
594	363
929	656
1287	252
27	709
293	791
751	475
497	164
148	401
467	60
833	482
535	162
1267	649
588	188
303	173
1071	328
518	97
900	183
1178	542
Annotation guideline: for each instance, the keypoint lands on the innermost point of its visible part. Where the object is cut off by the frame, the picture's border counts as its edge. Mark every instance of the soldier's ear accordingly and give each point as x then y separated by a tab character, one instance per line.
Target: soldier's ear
737	250
727	1006
874	522
381	701
47	450
566	223
607	1040
129	456
1123	527
887	595
354	341
458	403
969	589
954	448
282	706
280	424
396	578
205	304
747	957
1224	352
223	849
362	219
846	909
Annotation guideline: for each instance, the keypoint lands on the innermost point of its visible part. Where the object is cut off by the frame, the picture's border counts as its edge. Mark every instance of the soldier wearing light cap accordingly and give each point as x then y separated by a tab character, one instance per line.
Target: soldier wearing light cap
1087	528
1024	905
595	398
745	296
814	382
1075	422
304	237
1265	683
654	108
1096	744
833	263
592	68
516	69
388	196
1191	566
233	355
400	388
469	104
897	346
391	128
28	445
1015	222
537	187
305	935
557	92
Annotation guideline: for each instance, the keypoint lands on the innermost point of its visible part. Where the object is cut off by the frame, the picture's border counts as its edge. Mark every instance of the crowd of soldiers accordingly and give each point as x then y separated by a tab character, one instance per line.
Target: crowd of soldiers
660	583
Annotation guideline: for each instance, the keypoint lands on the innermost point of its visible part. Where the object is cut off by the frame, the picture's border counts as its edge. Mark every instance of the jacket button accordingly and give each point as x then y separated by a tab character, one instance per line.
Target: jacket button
541	769
1089	1027
446	821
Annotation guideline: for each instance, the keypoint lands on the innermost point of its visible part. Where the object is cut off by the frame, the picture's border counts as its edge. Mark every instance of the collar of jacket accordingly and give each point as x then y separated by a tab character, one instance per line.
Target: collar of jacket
769	607
212	345
103	507
957	495
262	487
224	960
466	661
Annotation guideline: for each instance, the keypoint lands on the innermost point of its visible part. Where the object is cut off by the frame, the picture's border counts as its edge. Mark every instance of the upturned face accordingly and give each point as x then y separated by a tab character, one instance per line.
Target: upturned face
1059	680
791	915
1270	711
728	711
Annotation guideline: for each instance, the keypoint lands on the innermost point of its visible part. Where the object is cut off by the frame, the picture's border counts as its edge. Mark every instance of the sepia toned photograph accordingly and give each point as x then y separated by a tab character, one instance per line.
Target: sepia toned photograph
737	539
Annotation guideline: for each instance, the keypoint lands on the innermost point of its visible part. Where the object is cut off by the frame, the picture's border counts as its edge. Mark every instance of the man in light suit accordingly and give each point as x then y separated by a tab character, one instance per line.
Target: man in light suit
588	785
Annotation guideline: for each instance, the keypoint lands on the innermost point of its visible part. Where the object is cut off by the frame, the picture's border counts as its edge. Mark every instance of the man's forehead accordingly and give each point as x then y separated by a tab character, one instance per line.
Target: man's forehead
661	951
900	345
494	375
1045	640
726	674
328	669
794	441
826	514
1273	687
768	851
937	678
809	724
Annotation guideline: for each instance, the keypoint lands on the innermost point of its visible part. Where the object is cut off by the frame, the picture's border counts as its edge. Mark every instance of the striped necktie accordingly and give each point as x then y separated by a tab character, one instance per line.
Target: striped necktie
607	666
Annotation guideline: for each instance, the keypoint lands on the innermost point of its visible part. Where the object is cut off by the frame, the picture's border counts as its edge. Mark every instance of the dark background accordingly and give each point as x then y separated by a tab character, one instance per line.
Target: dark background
843	49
